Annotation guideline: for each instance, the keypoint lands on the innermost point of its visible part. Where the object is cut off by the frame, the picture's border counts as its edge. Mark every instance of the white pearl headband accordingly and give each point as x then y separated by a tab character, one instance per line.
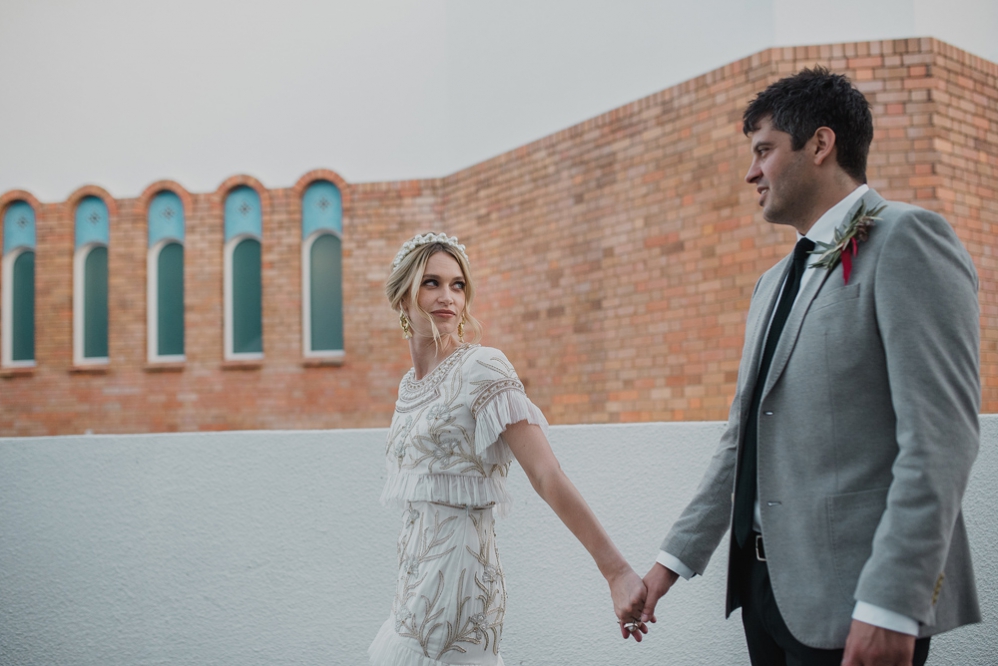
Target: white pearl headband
427	239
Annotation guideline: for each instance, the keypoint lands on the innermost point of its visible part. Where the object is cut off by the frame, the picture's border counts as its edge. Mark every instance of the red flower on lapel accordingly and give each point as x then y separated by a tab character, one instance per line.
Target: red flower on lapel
845	245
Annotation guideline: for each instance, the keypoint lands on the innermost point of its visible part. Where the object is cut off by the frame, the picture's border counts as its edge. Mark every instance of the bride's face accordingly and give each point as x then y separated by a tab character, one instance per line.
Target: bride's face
441	296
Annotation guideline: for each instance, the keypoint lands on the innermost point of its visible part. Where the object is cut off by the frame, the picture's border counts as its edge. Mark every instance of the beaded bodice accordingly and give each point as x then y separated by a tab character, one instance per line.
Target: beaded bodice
445	442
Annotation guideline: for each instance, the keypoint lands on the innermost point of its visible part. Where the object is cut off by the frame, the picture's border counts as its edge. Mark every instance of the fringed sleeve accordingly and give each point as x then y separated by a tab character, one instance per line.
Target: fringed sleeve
498	401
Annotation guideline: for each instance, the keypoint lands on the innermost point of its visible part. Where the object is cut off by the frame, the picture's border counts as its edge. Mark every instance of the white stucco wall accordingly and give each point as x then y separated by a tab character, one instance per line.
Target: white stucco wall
269	548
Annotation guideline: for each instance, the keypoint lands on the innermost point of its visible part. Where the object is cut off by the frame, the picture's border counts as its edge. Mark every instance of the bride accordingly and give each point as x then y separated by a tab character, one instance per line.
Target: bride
461	418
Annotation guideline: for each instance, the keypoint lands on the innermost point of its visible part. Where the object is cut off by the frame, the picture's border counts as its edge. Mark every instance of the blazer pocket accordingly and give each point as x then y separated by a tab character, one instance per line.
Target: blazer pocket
846	293
852	522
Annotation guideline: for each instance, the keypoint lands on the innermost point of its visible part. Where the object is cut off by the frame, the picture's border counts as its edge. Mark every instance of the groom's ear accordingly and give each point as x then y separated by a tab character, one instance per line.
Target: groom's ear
822	146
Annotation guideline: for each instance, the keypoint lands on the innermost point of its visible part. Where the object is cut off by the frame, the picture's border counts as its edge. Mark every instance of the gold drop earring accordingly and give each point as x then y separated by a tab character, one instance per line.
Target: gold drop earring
460	330
404	323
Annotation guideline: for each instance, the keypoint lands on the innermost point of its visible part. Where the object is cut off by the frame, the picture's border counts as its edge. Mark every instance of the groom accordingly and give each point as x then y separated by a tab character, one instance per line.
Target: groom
854	423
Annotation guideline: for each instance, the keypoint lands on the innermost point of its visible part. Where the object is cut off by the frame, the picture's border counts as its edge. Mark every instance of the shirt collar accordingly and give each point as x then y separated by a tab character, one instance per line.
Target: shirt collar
823	231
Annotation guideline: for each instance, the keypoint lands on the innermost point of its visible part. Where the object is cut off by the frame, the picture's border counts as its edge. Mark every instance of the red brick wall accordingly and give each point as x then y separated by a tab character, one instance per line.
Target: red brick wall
634	243
615	261
964	177
206	392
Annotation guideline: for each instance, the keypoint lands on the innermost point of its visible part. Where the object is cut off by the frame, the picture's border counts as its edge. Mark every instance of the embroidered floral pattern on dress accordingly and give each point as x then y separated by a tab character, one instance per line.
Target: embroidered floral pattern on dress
445	440
397	437
431	437
478	624
423	609
445	450
438	413
402	616
446	466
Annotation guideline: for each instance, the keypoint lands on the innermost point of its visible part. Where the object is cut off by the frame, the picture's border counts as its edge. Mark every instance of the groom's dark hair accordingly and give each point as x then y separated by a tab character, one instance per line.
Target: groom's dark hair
813	98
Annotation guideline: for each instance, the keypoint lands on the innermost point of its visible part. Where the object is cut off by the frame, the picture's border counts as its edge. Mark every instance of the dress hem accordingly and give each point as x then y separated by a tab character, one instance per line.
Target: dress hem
388	650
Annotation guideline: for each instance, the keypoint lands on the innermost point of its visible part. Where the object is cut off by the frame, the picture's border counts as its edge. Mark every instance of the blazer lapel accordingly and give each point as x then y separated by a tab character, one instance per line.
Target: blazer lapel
792	328
769	293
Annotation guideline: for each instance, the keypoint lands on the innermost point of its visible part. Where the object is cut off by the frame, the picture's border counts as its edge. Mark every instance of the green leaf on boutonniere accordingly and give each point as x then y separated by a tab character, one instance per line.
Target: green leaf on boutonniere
846	242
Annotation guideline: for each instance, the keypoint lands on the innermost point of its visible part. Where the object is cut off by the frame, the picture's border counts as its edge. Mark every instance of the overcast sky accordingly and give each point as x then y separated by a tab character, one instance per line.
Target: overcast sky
121	93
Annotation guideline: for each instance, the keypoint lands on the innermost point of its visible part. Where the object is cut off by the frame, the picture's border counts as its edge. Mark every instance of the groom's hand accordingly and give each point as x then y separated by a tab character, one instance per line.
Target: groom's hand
868	645
658	581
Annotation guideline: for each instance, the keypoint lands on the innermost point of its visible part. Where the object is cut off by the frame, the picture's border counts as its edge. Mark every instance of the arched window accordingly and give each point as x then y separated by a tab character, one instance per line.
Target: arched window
322	271
243	284
165	278
18	297
90	283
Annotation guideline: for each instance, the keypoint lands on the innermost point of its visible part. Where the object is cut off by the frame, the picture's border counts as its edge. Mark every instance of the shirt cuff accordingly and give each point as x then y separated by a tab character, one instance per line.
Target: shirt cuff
885	619
671	562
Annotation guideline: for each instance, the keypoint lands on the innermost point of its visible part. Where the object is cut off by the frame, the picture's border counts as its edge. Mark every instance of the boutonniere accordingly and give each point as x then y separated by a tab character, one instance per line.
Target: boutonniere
846	243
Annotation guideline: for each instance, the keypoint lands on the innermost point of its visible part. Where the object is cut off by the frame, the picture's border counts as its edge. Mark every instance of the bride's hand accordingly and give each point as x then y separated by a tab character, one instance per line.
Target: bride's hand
629	592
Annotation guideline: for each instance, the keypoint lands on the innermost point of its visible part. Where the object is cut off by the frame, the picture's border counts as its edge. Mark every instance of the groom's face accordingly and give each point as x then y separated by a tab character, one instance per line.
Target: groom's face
780	174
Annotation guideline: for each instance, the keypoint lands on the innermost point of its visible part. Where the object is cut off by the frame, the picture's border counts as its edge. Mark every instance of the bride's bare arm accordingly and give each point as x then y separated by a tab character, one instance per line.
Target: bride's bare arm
534	454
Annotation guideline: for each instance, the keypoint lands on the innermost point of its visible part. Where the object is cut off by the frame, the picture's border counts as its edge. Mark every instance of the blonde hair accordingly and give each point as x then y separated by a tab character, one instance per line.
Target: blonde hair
403	287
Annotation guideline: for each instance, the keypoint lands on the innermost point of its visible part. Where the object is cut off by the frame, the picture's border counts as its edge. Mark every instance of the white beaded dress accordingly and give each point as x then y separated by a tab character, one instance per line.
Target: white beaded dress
447	466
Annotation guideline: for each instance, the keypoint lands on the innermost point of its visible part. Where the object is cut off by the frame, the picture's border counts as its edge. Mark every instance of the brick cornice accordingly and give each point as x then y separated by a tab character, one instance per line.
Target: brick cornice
218	197
92	191
320	174
142	203
11	196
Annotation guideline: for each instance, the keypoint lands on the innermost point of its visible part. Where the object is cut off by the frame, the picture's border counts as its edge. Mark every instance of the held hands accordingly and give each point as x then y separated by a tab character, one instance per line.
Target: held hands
868	645
634	599
657	582
628	593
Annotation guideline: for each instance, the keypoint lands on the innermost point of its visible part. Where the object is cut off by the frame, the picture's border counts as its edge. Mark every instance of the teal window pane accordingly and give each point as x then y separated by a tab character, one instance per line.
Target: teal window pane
322	208
166	218
247	302
326	260
170	300
92	222
95	304
18	226
23	329
243	213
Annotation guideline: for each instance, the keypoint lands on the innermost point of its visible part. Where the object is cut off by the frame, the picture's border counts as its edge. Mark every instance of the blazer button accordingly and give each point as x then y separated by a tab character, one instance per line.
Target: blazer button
768	413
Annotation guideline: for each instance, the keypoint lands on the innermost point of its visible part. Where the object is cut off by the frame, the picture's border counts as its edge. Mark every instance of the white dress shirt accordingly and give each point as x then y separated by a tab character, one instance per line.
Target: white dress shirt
822	231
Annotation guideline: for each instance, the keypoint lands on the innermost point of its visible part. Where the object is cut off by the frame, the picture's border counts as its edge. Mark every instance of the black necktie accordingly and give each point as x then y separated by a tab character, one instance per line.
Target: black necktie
745	489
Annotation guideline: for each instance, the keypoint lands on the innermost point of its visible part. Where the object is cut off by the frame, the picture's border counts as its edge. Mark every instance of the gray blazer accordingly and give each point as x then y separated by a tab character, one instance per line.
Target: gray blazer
867	432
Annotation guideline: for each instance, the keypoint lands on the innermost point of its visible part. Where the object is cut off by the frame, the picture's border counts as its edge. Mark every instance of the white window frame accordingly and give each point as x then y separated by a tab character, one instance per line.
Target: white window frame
306	291
79	263
7	310
152	304
230	247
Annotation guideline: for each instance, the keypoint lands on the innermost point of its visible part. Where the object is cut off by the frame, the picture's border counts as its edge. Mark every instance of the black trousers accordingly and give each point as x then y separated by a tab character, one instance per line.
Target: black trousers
770	643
